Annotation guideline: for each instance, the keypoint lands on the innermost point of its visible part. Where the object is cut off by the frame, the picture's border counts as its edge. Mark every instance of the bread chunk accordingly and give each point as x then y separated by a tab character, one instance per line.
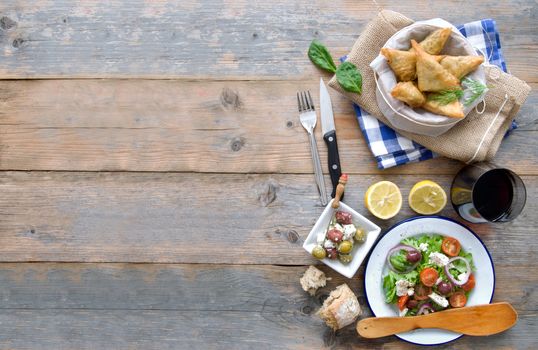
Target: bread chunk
341	308
312	280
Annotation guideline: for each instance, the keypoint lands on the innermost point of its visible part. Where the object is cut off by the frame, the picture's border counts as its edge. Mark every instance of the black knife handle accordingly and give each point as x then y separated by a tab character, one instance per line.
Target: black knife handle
334	159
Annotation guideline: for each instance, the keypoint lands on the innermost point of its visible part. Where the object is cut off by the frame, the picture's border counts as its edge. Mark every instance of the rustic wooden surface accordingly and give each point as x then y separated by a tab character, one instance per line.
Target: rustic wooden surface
165	206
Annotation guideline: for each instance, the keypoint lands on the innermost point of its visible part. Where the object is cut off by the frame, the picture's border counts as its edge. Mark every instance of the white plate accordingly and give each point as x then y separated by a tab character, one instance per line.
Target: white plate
376	268
359	251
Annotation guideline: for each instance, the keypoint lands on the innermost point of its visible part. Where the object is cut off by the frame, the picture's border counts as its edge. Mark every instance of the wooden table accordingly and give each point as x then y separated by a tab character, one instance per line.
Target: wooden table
165	206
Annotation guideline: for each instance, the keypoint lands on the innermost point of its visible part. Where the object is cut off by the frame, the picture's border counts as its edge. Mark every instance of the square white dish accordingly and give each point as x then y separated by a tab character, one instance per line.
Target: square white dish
359	251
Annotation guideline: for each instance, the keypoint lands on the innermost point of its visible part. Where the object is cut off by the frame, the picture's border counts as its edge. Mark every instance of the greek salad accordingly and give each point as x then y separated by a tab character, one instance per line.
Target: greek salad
428	273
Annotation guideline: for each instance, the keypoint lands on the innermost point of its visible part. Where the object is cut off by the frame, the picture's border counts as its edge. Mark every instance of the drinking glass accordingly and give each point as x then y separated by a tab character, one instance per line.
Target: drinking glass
483	192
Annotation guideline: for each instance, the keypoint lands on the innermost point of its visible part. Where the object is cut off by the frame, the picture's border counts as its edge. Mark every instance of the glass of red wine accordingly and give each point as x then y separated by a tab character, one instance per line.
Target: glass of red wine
483	192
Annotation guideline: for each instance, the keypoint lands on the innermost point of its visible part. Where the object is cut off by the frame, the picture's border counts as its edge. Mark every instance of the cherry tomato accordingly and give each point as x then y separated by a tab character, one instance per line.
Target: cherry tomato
402	301
422	292
451	246
458	299
429	276
470	284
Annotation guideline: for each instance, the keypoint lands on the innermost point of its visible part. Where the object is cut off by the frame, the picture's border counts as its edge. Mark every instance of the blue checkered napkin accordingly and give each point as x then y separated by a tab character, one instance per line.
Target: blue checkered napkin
390	148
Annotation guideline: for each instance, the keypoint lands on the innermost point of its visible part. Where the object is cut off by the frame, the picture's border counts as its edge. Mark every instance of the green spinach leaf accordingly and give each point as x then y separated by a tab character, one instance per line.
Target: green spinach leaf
349	77
320	56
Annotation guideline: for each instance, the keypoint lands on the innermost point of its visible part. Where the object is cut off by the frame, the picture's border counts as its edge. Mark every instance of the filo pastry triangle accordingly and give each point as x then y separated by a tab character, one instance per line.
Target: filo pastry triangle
408	93
460	66
403	63
434	43
431	75
453	109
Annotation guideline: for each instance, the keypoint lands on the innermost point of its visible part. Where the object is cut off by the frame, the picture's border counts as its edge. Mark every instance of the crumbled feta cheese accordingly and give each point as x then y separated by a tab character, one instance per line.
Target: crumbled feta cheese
338	227
402	287
438	259
423	246
349	231
439	280
320	238
438	299
329	244
403	312
411	291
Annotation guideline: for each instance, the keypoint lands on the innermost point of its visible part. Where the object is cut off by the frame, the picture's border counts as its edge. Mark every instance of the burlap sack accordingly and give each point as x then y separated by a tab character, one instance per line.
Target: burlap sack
478	136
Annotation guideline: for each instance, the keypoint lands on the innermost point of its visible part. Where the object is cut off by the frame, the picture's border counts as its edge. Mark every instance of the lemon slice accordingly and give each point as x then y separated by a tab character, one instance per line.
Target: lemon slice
383	199
427	197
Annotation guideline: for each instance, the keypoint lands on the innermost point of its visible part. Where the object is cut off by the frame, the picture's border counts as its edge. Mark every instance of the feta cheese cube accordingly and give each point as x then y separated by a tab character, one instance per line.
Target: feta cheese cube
438	259
438	299
411	291
320	238
423	246
402	287
329	244
349	231
403	312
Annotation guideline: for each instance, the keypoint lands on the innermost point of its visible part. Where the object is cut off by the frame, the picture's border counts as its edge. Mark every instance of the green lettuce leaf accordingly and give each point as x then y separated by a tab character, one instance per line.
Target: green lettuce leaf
399	260
389	283
411	241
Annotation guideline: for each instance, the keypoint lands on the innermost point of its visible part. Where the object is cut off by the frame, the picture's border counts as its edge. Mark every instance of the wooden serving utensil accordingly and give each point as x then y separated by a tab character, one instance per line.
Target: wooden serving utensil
340	188
473	320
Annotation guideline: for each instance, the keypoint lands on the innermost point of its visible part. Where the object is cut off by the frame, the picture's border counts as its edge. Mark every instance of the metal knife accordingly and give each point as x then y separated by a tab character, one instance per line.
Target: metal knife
329	134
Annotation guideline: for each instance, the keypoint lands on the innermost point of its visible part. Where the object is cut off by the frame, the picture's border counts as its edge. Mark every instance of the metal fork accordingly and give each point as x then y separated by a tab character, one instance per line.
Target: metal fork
307	115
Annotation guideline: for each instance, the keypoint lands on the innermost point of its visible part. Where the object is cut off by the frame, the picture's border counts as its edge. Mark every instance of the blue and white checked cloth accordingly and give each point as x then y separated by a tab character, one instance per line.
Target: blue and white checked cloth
390	148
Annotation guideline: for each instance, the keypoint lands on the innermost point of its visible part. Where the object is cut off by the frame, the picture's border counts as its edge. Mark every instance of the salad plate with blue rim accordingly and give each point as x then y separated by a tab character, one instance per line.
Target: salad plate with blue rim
428	264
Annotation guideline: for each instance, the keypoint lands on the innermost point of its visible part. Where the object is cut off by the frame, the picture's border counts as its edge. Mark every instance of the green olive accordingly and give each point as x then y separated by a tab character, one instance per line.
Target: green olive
345	247
360	235
319	252
345	258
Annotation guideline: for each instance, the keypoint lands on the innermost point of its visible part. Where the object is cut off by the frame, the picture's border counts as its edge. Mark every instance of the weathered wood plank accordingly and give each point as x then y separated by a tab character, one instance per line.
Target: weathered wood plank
149	329
195	218
232	39
168	125
201	287
253	306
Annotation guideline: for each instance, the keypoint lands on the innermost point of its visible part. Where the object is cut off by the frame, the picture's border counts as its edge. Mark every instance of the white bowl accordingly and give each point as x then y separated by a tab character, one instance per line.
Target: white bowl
376	268
401	116
359	251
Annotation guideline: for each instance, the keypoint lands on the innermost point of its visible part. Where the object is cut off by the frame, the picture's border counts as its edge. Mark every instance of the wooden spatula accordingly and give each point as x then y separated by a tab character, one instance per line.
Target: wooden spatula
473	320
